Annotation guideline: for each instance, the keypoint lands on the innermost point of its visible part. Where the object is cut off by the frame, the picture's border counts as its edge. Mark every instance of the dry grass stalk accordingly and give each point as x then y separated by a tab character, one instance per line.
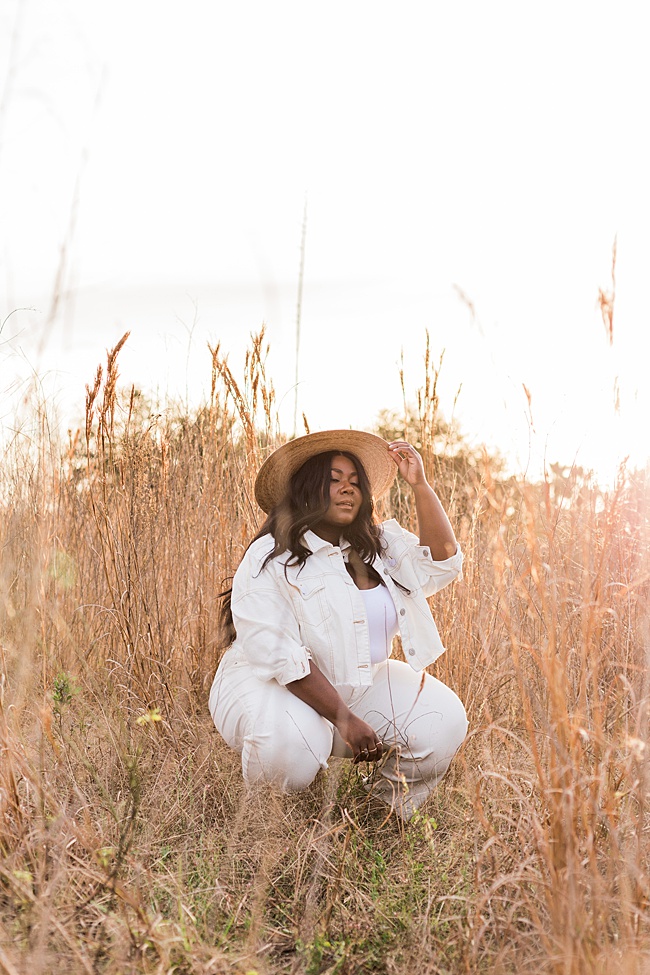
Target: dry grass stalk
127	843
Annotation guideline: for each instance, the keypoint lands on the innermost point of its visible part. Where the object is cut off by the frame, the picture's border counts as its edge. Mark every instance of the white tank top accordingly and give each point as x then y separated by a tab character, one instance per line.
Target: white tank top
382	621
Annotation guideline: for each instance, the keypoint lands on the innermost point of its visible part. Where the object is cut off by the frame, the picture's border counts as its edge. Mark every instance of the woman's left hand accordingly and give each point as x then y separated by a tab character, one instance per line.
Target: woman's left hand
409	463
434	528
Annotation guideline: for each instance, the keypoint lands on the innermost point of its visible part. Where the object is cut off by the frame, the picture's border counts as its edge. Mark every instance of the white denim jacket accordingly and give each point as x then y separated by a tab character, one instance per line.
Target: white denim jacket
317	612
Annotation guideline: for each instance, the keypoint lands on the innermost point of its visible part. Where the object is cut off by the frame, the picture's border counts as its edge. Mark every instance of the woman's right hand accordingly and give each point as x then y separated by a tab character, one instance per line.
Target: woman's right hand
363	742
316	691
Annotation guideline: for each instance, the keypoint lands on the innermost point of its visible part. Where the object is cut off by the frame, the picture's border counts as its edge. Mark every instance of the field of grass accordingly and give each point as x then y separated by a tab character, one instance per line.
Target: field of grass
127	842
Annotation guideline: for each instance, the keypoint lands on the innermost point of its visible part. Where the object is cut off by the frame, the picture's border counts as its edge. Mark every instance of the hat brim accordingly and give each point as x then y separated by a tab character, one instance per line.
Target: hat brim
273	479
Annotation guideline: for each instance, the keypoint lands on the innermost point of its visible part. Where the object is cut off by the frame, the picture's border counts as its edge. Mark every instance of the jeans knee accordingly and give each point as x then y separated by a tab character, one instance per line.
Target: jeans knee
456	725
430	742
289	762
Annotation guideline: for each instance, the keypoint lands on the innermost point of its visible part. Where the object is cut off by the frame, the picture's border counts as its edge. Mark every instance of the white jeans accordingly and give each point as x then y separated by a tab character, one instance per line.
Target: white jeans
285	742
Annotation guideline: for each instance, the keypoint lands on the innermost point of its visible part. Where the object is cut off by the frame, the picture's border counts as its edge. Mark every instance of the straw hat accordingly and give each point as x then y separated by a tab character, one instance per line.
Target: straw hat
277	470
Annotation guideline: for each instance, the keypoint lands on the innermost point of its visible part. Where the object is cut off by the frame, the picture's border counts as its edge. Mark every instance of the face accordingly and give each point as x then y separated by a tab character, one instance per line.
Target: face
345	496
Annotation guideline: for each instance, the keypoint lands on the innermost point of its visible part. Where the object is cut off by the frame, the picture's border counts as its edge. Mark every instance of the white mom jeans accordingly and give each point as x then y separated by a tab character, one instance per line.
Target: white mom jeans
283	741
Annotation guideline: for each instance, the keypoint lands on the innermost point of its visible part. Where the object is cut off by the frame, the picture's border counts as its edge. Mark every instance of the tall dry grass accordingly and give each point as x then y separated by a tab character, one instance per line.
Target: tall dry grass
127	843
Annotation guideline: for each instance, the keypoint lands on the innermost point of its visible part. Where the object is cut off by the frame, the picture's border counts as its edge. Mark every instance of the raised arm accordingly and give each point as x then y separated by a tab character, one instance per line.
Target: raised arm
434	527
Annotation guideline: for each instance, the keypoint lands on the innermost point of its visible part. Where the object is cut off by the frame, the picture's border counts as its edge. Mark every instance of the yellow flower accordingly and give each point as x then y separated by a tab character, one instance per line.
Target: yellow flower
149	717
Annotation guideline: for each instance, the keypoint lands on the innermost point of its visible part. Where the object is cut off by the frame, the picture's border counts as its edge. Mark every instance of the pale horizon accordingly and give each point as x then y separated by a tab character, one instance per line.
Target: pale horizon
466	172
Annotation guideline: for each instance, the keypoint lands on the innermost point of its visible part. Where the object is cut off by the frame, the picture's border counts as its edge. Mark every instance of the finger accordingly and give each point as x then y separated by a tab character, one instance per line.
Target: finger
367	754
374	753
405	455
400	457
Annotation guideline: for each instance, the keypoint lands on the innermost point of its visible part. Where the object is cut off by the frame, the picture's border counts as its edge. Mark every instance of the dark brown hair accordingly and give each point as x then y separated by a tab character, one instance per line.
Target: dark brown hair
303	506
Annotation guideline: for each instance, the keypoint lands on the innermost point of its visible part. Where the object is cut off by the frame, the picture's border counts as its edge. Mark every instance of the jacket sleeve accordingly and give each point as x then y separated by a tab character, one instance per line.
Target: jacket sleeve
411	563
265	623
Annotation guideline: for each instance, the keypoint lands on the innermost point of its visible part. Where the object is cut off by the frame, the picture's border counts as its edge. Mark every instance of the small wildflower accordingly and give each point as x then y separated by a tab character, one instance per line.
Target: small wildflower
149	717
105	855
24	876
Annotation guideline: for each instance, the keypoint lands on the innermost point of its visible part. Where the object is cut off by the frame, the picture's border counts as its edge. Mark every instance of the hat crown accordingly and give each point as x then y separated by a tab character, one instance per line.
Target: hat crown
274	476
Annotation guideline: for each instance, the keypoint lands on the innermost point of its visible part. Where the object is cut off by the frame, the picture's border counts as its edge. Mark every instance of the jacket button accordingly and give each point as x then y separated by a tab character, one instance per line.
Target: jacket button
385	572
411	652
402	612
426	551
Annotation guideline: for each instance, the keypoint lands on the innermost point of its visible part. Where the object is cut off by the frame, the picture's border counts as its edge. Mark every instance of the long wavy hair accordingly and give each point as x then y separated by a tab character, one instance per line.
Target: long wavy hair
303	506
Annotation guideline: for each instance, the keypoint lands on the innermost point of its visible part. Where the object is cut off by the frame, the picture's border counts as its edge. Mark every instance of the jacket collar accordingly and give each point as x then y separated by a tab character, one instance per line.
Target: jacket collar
316	543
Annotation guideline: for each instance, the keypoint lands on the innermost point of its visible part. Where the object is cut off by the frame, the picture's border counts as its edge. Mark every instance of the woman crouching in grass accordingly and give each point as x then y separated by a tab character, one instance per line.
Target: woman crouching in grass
315	603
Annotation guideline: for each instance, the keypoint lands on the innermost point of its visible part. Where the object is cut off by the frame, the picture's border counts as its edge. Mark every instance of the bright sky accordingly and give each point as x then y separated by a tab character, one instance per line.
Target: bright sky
155	159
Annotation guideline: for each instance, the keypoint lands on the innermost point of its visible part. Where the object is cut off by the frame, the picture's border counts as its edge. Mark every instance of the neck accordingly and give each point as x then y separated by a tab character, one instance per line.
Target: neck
331	535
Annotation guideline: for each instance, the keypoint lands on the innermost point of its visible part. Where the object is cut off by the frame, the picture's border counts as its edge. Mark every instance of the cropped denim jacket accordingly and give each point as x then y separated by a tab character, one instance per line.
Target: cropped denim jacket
316	612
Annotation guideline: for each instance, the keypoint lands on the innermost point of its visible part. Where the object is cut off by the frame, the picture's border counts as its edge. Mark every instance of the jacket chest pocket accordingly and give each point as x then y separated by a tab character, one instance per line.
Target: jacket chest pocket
311	603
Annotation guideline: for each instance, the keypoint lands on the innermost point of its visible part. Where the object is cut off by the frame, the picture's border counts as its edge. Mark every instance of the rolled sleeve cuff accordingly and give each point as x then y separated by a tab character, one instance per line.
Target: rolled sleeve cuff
453	564
296	666
437	575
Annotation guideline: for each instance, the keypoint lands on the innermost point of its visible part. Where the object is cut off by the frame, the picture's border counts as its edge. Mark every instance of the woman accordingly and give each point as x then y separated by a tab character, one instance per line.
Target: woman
316	601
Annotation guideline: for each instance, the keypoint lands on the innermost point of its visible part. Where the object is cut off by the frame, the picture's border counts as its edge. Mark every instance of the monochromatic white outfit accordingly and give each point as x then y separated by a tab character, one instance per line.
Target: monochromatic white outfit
286	616
382	622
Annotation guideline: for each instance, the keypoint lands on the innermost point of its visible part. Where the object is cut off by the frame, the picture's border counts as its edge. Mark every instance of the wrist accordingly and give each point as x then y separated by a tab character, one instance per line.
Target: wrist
422	486
342	717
